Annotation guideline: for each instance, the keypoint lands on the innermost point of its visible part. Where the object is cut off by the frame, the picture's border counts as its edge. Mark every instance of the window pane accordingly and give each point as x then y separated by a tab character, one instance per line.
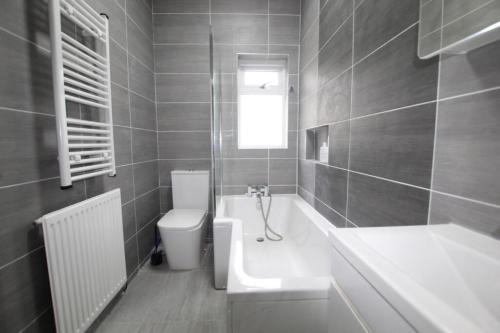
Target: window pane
259	78
261	122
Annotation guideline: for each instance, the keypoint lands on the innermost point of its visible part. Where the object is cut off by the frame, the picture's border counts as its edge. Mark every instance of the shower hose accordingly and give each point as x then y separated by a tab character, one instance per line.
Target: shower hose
276	237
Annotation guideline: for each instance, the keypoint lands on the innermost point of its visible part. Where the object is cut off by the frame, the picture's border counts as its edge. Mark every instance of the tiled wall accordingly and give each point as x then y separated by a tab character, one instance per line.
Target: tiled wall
405	134
29	184
181	46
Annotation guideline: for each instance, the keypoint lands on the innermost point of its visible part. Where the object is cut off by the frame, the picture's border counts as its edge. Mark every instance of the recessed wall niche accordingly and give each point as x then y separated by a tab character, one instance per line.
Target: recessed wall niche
317	144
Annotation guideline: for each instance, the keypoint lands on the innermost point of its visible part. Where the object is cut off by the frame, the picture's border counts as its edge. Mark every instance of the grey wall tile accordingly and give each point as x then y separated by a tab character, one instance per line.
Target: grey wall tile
336	56
141	79
310	14
120	100
119	70
182	59
307	196
105	183
476	70
331	187
21	205
240	6
309	46
185	6
166	202
25	291
335	218
145	177
28	68
183	87
472	215
177	28
44	323
140	13
117	19
230	148
128	214
239	29
394	77
290	152
37	159
467	146
139	44
293	55
166	166
284	7
332	15
184	145
122	140
338	145
334	99
245	171
396	145
147	207
374	202
144	147
184	117
282	171
290	189
306	175
453	9
284	29
131	255
377	21
146	240
143	112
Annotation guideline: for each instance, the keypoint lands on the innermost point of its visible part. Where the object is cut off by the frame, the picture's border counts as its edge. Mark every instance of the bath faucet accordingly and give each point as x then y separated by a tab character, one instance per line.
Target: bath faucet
258	190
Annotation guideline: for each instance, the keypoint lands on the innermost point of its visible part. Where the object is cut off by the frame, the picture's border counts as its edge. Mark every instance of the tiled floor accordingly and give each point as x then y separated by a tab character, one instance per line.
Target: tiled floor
161	300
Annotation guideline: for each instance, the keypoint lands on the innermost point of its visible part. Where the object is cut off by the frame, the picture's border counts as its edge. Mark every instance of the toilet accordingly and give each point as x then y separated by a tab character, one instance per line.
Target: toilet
182	229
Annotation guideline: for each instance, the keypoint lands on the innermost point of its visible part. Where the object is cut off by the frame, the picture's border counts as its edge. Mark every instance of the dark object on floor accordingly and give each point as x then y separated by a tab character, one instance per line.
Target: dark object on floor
156	257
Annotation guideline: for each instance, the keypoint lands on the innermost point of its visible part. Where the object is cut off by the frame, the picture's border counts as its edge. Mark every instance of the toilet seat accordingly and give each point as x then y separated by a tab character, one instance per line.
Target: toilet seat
182	219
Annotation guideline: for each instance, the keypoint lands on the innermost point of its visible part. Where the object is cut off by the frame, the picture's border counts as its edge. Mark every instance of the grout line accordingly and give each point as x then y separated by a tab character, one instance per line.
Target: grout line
22	257
35	319
223	13
28	182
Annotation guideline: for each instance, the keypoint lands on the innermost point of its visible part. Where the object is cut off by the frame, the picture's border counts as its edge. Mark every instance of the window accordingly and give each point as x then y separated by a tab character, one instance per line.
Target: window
262	103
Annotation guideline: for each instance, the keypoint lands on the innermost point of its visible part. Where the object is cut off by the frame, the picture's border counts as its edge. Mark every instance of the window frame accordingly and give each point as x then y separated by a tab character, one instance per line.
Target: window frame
280	89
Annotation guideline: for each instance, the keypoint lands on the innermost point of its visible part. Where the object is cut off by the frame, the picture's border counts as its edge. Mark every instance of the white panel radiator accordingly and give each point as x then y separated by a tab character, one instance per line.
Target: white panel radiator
86	259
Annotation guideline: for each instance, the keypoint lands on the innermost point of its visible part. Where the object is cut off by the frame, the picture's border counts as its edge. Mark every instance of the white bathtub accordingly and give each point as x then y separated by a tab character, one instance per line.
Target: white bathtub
273	286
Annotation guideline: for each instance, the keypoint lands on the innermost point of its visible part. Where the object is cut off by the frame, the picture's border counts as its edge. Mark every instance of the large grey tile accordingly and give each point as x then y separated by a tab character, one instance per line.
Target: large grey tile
309	15
37	159
309	47
143	112
307	196
394	77
336	56
181	28
145	177
334	99
44	323
225	87
120	100
140	13
25	291
338	145
105	183
240	6
396	145
182	59
467	146
331	187
184	6
284	7
332	15
284	29
166	202
183	88
306	177
146	240
131	256
21	205
28	68
245	171
290	151
331	215
477	70
282	171
430	17
240	29
122	140
141	79
184	116
374	203
282	189
377	21
139	44
145	145
128	214
293	55
147	207
117	20
118	66
230	148
472	215
166	166
454	9
184	145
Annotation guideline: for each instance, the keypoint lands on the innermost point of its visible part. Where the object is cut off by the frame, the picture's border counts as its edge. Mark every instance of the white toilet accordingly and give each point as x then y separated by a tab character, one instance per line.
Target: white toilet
182	228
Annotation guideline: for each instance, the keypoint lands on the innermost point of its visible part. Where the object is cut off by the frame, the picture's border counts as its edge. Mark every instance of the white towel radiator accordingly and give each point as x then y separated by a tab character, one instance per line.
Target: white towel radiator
81	74
86	259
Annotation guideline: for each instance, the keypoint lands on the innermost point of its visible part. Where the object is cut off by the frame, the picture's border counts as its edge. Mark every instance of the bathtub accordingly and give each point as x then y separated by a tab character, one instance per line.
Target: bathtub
273	286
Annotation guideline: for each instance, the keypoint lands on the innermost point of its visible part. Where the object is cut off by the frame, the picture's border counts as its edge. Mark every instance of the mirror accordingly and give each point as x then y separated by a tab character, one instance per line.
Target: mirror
457	26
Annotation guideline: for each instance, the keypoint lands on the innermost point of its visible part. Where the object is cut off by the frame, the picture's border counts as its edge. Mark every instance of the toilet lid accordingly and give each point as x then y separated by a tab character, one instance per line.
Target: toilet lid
180	219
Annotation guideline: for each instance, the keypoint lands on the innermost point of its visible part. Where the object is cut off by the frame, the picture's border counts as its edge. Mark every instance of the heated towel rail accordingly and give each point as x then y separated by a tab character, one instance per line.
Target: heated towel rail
81	75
